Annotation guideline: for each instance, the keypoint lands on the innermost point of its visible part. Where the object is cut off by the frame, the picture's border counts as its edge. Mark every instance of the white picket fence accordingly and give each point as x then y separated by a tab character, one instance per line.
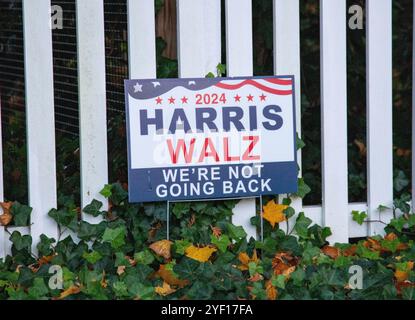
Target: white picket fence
199	51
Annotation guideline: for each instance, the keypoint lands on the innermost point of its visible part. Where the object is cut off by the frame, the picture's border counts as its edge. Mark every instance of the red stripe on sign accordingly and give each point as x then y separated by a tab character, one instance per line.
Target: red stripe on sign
283	82
255	84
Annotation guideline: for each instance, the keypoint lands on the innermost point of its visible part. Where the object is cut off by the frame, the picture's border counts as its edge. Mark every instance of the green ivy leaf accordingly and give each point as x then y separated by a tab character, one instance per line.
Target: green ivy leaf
120	289
180	209
116	237
118	194
319	235
286	201
65	218
408	293
389	292
255	268
258	291
303	188
289	212
411	220
278	281
186	269
269	245
236	232
92	257
400	181
342	261
367	253
200	290
21	214
222	242
144	257
221	69
94	208
301	225
21	242
88	231
16	293
141	291
398	223
38	290
391	245
44	247
290	243
297	276
299	142
121	259
181	246
310	252
106	191
402	203
359	217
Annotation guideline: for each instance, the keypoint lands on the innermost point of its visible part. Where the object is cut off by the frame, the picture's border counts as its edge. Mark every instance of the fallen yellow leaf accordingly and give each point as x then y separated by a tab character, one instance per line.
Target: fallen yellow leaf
256	277
391	236
132	262
372	244
6	206
403	275
6	217
200	254
216	231
162	248
272	292
274	213
120	270
44	260
330	251
165	290
68	292
284	263
351	251
170	278
103	282
245	260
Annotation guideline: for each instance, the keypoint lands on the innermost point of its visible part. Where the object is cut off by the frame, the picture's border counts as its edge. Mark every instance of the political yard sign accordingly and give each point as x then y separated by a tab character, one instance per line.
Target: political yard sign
210	138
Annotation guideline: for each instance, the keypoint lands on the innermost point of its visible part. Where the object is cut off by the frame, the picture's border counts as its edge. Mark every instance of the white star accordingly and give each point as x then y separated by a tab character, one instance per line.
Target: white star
192	83
138	88
156	84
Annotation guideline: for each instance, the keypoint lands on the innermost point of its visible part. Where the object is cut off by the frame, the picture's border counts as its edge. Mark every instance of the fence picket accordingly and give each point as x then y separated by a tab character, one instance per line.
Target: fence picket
92	101
199	34
212	35
287	58
379	111
141	39
40	116
334	117
189	38
239	62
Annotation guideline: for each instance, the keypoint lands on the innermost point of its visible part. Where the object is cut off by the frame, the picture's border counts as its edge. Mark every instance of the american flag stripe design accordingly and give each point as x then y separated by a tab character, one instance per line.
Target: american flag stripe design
282	87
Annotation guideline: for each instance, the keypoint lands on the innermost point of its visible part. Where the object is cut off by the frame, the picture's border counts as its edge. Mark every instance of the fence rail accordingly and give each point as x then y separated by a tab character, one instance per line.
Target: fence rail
199	51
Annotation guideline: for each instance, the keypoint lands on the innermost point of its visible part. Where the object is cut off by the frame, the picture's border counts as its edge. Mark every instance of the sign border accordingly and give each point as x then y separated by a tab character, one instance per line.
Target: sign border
127	94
